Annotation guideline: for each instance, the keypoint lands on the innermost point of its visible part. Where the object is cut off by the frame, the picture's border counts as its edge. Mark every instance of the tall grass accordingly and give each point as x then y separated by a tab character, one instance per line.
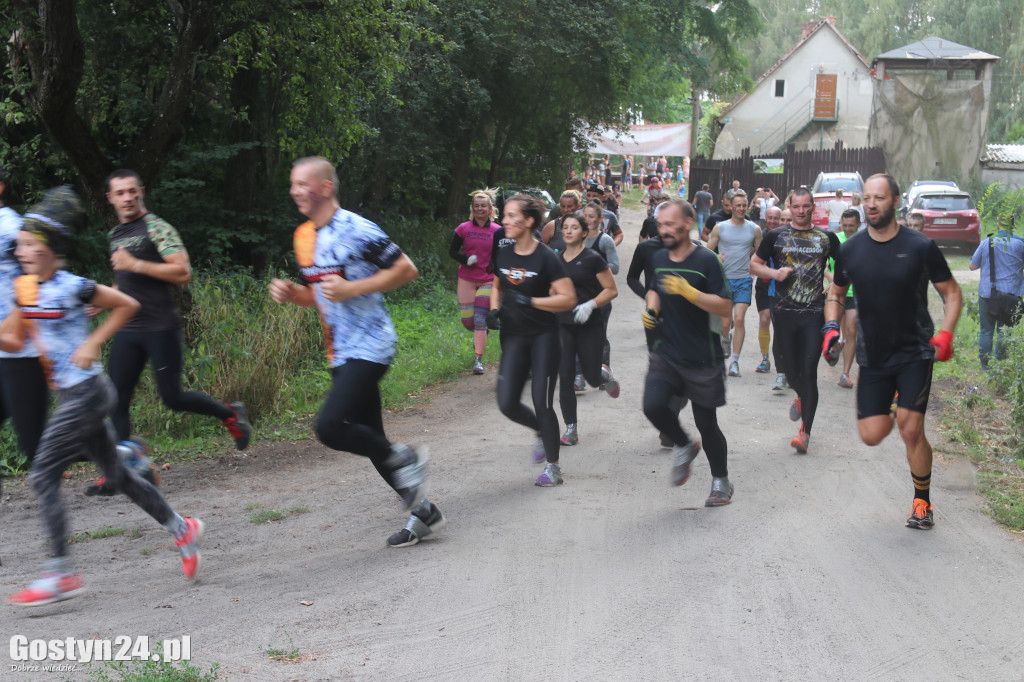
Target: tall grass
240	345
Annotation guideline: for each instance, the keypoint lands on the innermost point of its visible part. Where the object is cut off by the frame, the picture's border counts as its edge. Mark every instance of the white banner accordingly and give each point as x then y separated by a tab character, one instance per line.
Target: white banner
666	139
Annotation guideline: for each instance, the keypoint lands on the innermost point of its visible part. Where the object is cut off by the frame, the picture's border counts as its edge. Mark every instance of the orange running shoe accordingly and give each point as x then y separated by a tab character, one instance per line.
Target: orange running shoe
795	410
920	515
801	440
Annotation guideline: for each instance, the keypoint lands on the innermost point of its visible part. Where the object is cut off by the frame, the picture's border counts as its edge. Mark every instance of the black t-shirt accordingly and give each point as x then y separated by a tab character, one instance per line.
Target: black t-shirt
715	218
583	271
641	263
702	201
689	336
650	228
891	281
500	241
807	252
531	275
148	238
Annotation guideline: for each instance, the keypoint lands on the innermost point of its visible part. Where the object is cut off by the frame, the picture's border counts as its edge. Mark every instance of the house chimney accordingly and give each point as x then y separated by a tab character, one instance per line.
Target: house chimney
808	27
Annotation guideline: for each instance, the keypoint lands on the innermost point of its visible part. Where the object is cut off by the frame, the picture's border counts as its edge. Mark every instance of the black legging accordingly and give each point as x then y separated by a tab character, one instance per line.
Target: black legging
128	355
521	354
350	418
800	337
24	398
662	405
776	346
586	341
606	355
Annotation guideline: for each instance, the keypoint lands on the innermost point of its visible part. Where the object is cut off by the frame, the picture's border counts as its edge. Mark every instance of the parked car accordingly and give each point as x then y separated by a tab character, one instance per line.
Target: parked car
824	191
950	217
507	191
919	187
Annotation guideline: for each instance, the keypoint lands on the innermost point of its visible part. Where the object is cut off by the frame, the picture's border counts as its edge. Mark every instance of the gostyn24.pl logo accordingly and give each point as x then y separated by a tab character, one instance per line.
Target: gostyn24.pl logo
122	648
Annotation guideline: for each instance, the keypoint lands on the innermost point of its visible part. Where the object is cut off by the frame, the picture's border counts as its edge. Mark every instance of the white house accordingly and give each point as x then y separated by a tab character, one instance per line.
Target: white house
817	94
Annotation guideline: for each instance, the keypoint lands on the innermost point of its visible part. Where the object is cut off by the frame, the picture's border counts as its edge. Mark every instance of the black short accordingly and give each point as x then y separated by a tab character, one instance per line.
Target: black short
704	386
761	297
876	388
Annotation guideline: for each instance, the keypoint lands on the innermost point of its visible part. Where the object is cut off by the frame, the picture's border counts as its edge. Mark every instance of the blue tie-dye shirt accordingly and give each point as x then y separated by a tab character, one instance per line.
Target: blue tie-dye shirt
54	313
10	224
354	248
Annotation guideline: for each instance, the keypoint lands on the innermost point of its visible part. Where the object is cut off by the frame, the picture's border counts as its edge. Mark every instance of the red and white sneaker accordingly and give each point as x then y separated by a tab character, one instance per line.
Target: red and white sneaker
49	588
189	546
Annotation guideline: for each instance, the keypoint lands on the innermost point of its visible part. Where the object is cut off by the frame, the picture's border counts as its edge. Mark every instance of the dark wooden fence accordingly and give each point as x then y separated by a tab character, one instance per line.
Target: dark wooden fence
799	168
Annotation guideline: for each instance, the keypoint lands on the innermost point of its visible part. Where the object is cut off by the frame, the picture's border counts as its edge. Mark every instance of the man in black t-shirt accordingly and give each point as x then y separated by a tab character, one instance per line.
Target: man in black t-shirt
889	267
718	216
800	253
149	259
687	287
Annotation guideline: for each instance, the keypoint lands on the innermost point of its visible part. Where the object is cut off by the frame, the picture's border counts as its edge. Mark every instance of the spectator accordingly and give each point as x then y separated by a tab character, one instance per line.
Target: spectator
1008	252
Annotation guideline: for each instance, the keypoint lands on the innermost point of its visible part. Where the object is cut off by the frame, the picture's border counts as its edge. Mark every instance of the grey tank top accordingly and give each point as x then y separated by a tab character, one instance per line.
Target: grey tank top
735	243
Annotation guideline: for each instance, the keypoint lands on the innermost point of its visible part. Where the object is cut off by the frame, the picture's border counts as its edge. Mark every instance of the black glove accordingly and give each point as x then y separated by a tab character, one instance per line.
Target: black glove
515	299
494	320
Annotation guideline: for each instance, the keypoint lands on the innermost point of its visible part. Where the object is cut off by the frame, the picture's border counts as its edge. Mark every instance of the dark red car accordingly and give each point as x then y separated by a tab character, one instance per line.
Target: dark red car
950	217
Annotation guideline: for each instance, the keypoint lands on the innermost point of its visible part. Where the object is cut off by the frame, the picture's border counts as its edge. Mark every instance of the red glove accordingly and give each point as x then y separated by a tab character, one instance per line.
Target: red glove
943	342
830	336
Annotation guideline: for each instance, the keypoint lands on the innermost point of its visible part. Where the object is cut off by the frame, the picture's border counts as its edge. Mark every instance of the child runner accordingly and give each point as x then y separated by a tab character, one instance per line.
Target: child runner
51	308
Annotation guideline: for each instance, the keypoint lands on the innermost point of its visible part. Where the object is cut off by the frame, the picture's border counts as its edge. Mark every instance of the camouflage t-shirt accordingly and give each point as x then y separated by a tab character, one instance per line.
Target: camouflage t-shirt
808	253
148	238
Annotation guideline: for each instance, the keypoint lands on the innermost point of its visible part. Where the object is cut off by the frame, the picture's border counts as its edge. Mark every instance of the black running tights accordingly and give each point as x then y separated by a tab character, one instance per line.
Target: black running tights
585	340
661	406
128	355
521	354
25	399
800	336
350	419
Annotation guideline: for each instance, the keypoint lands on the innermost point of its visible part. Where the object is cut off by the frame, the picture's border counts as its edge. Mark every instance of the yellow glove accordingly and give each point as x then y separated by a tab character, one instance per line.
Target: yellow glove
678	286
650	318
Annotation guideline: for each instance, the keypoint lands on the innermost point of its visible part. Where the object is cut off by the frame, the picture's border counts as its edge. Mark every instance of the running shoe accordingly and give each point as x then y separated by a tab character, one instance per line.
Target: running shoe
238	425
571	435
734	368
684	456
133	453
539	453
188	544
478	366
920	515
552	476
424	520
721	492
666	442
50	587
801	441
795	410
409	473
780	383
579	384
765	366
844	381
611	384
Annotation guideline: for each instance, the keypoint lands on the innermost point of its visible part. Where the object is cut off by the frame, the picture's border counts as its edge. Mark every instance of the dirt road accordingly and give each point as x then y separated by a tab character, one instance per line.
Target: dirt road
808	575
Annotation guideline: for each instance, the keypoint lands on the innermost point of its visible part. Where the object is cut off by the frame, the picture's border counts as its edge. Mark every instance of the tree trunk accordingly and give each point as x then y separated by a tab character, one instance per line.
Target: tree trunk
456	204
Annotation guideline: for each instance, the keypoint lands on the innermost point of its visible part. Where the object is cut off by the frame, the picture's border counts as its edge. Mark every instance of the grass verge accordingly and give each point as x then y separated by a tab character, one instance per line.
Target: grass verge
982	413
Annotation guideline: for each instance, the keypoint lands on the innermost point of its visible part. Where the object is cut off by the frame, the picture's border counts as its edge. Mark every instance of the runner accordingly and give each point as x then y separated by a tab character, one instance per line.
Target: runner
724	213
610	226
686	359
764	292
801	252
51	308
580	331
530	286
24	396
890	266
471	247
736	240
346	264
569	203
849	224
149	259
604	245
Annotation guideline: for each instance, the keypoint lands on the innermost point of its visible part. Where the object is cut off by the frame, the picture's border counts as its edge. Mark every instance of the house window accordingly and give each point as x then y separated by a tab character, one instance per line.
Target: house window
780	88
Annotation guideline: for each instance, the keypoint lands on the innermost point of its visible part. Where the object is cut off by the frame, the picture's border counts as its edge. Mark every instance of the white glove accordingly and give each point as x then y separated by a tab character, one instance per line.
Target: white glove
471	260
582	312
